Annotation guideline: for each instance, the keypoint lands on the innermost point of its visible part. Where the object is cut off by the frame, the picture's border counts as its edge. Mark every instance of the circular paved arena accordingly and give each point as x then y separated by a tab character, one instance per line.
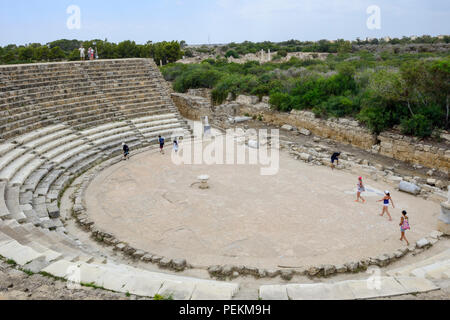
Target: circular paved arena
304	215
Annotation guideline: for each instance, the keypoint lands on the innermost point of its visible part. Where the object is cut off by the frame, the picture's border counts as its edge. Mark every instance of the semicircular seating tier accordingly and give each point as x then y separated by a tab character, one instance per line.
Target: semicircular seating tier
57	121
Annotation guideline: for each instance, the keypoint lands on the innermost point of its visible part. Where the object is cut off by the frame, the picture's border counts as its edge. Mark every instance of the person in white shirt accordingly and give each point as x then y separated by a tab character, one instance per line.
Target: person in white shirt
82	53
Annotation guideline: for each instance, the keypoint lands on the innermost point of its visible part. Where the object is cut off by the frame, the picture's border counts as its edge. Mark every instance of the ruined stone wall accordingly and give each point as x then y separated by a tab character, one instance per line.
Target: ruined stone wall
396	146
342	130
411	150
192	107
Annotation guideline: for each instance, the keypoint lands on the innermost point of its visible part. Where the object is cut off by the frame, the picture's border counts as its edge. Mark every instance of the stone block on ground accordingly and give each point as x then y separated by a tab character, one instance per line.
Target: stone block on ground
409	188
275	292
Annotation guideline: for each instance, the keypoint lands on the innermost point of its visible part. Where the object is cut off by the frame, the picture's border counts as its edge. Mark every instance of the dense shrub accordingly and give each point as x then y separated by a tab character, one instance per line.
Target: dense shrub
418	125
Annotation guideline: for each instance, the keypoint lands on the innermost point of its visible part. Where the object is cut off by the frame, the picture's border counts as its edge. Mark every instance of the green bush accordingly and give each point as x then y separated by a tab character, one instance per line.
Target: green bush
418	125
281	101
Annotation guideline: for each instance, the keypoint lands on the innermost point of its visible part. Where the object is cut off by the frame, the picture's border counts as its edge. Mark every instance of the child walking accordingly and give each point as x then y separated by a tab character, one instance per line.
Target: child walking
361	189
386	200
404	225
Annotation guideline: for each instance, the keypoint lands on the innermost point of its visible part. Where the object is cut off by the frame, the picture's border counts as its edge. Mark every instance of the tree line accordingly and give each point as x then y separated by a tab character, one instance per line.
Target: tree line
67	50
408	91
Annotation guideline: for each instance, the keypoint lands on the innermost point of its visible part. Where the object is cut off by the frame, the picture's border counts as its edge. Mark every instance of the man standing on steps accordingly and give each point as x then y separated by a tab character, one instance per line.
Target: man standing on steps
82	53
335	158
126	151
162	141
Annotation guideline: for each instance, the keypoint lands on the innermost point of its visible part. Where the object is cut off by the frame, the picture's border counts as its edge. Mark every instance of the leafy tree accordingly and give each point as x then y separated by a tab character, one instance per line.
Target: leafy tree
56	54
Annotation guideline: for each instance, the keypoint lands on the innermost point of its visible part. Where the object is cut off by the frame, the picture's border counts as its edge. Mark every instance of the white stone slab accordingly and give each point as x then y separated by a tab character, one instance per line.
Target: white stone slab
10	156
156	123
274	292
416	285
320	291
38	133
55	144
153	118
9	171
48	138
26	171
63	148
178	290
6	147
20	254
387	287
105	127
60	268
66	155
215	291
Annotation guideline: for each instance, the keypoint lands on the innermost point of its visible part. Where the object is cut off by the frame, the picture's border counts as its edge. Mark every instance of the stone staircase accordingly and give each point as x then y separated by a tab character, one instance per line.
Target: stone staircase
415	278
434	268
58	121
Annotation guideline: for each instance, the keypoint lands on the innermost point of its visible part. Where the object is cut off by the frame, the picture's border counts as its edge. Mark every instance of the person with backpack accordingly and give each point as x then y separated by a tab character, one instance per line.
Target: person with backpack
175	146
335	158
404	225
126	151
161	144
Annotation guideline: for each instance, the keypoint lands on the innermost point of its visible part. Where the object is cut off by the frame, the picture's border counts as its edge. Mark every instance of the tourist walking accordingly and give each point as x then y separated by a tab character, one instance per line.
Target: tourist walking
82	53
162	141
126	151
175	146
335	158
90	54
386	201
404	225
361	189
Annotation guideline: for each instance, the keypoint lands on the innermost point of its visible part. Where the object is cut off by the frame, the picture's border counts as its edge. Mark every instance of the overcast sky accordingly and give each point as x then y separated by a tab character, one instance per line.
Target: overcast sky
218	21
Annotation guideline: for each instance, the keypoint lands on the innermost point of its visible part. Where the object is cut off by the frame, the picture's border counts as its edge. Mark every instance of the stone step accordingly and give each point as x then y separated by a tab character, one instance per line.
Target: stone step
149	130
13	204
22	255
406	270
108	133
122	137
70	153
348	290
435	271
48	138
26	171
153	136
64	148
38	133
4	211
56	143
142	282
8	172
11	156
6	147
153	118
153	124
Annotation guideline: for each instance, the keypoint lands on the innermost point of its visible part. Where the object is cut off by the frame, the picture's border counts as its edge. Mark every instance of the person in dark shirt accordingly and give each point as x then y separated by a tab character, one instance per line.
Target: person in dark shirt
335	158
162	141
126	151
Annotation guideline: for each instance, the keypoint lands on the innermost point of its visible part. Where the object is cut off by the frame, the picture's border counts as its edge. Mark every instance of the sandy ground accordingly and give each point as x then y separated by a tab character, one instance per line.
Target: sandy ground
303	215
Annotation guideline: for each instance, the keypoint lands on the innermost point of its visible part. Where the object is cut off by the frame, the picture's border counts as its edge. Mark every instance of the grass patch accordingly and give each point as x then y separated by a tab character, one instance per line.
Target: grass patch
11	262
48	275
28	272
162	298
